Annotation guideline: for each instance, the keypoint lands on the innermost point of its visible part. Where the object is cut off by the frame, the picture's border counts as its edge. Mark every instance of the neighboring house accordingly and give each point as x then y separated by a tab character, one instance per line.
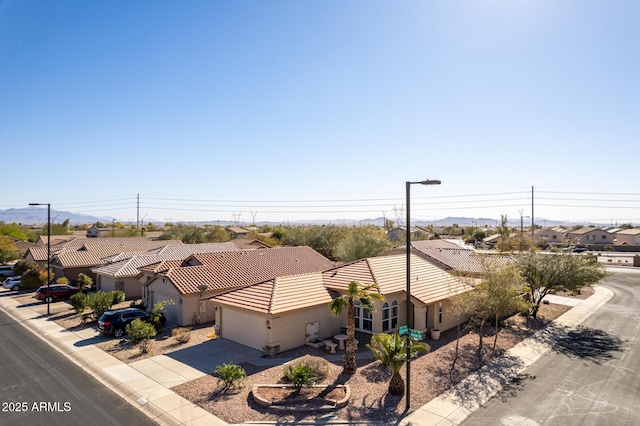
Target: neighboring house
71	258
628	237
285	312
491	240
203	275
122	271
249	243
237	232
548	236
454	257
400	233
588	235
95	231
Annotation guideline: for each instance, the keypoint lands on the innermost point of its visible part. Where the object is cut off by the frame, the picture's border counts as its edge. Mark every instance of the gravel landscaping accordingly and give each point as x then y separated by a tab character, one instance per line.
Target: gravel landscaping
430	374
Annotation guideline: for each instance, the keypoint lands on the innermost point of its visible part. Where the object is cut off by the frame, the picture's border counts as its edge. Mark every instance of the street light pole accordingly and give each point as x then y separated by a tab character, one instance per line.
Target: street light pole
48	253
408	302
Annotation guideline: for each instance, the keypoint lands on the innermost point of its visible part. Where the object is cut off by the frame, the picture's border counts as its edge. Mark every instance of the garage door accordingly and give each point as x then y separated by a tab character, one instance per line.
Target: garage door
172	310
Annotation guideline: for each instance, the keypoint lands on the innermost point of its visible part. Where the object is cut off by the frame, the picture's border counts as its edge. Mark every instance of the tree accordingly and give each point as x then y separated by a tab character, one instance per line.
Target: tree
544	273
84	281
360	246
391	350
503	288
8	249
365	294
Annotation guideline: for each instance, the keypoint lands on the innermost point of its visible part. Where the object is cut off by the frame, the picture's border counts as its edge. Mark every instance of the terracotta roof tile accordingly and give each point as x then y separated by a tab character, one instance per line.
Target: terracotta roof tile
241	268
282	294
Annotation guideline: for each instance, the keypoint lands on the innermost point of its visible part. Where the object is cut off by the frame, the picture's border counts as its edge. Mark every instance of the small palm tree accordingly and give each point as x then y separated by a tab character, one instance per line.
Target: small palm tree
365	295
391	350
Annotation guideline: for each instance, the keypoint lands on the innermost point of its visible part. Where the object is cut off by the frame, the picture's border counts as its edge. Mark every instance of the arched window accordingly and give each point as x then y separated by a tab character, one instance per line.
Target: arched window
394	314
363	318
386	317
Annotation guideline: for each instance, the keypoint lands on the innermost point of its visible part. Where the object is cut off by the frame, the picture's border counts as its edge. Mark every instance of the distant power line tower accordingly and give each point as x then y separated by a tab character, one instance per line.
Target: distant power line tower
398	214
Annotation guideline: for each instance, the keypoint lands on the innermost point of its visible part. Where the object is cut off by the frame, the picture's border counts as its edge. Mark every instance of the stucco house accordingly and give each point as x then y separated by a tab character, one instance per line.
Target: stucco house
589	235
549	236
188	285
628	237
286	312
122	272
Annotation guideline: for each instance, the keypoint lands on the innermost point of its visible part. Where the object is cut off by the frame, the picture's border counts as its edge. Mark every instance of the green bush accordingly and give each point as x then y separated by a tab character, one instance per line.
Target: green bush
139	330
117	297
85	281
79	301
230	374
157	313
62	280
318	365
300	375
100	303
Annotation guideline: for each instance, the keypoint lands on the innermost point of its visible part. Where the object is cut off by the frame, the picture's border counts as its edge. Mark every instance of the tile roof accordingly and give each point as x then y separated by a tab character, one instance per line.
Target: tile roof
249	243
429	283
240	268
279	295
585	230
76	259
129	264
633	231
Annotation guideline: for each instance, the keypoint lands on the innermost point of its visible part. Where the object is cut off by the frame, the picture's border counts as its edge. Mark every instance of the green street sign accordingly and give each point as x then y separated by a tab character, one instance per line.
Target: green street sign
403	330
415	334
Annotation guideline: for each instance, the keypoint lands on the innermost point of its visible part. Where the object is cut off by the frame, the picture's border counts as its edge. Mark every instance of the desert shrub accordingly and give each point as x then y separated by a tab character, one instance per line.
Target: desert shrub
62	280
117	297
318	365
157	314
230	374
181	334
300	375
99	302
139	330
85	281
145	345
79	302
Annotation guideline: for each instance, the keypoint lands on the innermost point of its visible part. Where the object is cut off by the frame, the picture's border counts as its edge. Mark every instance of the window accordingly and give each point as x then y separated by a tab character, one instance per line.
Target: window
386	313
440	313
363	318
394	314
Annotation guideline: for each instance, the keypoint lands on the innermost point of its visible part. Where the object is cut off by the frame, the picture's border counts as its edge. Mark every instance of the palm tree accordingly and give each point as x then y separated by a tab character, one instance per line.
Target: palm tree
365	295
391	350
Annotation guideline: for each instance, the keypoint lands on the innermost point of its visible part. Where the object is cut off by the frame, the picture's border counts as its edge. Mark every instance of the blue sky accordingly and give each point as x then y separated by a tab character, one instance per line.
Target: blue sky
299	110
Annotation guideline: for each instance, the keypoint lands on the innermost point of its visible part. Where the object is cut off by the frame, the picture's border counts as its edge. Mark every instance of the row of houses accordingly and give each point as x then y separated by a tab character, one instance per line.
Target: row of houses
583	236
271	299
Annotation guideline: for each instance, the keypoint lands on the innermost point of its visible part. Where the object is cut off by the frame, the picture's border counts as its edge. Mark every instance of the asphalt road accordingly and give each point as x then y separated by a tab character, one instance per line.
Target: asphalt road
591	377
39	386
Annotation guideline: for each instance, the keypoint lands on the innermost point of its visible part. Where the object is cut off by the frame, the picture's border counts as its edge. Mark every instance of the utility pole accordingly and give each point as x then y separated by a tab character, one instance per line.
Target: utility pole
137	213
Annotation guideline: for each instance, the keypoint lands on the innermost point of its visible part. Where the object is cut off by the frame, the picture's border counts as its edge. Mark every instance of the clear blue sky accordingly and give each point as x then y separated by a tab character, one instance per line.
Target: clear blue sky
321	109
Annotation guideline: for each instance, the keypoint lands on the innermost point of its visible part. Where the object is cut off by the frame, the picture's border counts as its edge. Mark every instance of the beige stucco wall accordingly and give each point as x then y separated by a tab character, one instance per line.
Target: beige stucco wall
132	285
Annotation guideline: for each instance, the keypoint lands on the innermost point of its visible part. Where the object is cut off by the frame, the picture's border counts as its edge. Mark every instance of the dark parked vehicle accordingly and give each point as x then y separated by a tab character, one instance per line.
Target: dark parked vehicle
115	322
52	292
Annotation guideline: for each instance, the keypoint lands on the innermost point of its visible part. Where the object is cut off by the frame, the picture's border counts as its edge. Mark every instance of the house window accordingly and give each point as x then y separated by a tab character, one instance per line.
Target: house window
386	314
363	318
389	316
440	313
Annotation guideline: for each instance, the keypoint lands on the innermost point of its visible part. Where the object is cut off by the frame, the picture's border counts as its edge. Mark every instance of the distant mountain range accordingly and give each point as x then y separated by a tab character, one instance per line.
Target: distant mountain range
38	216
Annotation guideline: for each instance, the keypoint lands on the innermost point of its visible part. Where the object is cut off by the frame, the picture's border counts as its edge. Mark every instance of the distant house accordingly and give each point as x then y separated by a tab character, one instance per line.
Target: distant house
122	272
249	243
95	231
548	236
628	237
400	233
589	235
237	232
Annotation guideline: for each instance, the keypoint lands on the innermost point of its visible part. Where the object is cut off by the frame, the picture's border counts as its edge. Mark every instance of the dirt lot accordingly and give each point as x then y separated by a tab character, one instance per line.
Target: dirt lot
430	374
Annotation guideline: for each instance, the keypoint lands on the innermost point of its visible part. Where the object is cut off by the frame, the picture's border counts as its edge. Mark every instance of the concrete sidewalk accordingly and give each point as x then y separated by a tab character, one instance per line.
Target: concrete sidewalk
146	384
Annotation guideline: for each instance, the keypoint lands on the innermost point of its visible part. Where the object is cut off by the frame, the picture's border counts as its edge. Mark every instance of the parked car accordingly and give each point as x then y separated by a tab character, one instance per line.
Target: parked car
6	271
115	322
52	292
12	283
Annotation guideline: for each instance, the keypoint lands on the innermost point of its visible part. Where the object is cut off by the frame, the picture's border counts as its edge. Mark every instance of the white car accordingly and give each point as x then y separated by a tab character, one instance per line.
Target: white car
12	283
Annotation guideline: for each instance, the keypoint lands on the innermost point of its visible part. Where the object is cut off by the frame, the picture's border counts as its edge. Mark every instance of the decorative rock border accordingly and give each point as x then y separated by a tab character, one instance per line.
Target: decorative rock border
328	404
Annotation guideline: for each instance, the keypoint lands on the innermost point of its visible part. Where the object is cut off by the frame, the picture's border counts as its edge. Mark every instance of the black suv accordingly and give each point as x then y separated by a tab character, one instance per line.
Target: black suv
114	322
